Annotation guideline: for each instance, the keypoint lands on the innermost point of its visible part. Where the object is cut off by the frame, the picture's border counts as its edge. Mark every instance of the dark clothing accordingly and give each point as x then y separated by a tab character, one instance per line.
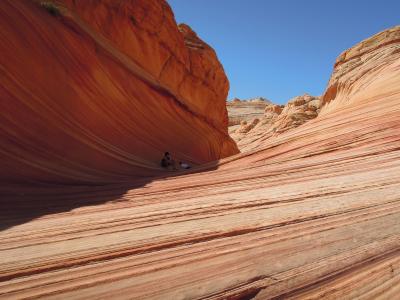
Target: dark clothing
164	163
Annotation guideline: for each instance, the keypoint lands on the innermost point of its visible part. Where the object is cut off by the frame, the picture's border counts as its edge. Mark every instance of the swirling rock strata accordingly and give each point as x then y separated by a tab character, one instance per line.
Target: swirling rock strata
359	72
311	213
96	91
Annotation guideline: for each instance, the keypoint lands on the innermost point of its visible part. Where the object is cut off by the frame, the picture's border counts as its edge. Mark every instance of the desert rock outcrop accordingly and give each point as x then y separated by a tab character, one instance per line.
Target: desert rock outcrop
276	120
310	213
96	91
245	110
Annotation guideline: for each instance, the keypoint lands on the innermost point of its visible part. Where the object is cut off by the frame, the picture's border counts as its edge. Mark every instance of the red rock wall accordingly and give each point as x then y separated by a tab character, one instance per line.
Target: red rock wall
146	32
98	91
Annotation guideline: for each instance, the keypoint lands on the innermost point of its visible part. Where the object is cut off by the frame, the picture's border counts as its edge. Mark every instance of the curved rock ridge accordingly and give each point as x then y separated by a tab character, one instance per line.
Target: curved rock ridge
358	73
365	69
96	91
275	120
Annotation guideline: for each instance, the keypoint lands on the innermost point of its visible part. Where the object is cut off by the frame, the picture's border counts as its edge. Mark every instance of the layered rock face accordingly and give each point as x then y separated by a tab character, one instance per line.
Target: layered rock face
97	91
310	213
245	110
359	71
354	76
275	120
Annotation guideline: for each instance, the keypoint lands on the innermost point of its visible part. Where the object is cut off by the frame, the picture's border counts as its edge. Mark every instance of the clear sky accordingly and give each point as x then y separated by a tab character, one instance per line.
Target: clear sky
279	49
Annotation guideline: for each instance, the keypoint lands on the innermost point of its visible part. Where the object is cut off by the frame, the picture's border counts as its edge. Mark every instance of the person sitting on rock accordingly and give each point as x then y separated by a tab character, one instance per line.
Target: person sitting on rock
167	162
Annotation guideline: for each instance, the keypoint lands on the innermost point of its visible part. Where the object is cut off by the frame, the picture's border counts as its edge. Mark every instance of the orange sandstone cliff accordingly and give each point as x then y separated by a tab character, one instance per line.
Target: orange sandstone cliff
96	91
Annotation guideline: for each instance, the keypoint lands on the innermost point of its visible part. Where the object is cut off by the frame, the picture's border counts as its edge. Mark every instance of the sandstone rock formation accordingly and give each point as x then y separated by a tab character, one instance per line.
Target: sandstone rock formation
310	213
244	127
276	120
361	61
356	70
96	91
245	110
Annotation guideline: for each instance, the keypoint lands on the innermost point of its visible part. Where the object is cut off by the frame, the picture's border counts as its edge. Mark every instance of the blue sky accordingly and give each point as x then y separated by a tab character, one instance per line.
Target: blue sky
279	49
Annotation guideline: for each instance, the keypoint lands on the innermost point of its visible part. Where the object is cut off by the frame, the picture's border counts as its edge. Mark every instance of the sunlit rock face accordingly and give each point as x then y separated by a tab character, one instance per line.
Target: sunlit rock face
275	120
365	71
97	91
245	111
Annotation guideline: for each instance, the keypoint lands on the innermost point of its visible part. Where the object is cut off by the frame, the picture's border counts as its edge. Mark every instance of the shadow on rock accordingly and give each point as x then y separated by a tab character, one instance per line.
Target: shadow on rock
23	203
